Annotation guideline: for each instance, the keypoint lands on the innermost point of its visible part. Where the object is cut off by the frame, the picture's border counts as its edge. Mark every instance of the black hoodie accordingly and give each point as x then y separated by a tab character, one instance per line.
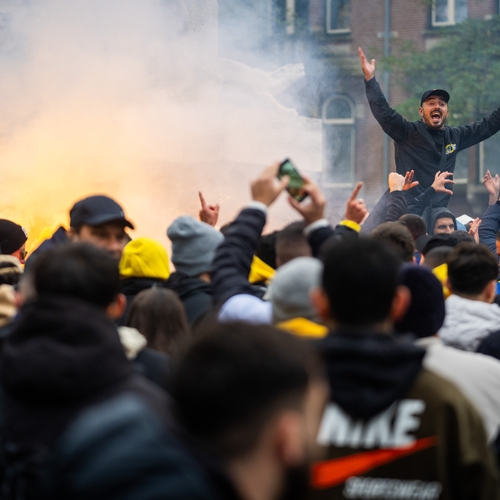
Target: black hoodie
63	355
395	430
368	371
194	293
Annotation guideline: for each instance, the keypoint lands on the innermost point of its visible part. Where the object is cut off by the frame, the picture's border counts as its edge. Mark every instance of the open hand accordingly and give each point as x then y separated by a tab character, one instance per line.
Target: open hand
266	188
492	185
367	67
440	181
409	182
474	227
313	208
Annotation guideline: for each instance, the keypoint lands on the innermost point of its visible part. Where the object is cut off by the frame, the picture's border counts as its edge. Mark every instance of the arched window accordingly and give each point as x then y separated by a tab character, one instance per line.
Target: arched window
338	140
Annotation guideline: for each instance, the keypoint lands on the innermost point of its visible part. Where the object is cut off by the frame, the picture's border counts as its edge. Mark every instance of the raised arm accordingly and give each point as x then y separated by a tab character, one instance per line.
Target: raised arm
319	230
490	221
393	124
234	255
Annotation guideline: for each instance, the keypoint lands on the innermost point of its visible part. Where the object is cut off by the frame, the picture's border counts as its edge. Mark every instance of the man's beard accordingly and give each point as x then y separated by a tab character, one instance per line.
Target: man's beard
296	483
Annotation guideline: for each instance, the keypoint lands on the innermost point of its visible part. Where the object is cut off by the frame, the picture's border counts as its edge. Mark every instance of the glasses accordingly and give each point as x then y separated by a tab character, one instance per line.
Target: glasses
23	254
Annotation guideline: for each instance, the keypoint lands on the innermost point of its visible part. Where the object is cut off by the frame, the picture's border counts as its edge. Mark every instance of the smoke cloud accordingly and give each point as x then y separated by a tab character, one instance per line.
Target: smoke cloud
128	98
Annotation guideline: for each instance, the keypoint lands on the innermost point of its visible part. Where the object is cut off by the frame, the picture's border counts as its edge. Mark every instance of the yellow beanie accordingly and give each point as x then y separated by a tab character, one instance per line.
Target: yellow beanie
260	271
441	273
144	258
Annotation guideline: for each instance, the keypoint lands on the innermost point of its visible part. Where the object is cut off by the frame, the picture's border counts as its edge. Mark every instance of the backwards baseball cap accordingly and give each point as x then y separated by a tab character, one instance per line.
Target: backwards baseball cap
12	236
96	210
439	92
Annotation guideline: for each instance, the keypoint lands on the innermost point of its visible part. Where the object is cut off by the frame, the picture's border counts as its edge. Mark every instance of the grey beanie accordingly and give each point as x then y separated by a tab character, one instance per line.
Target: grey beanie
290	287
193	245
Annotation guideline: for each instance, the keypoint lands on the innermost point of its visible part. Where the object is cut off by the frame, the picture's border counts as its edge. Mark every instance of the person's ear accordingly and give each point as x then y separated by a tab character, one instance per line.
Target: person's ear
491	291
72	234
289	438
447	284
116	309
421	111
320	302
400	303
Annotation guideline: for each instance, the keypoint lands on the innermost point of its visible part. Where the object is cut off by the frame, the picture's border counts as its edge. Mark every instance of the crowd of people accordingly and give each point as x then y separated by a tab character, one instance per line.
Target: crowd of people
356	360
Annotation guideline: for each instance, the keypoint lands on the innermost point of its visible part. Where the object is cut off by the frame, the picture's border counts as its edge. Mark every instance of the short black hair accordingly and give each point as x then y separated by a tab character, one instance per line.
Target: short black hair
470	268
77	270
398	236
462	236
415	224
436	257
360	279
233	378
291	242
266	249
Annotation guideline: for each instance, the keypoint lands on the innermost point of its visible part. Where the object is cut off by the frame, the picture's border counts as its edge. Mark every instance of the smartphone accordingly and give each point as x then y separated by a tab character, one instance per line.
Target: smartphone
296	181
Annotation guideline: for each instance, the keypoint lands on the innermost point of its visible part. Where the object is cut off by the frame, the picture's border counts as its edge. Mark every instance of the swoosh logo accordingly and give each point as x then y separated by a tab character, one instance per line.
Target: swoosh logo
334	472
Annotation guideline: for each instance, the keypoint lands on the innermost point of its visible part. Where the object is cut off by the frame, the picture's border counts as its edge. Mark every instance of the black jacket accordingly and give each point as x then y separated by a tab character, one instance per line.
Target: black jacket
119	450
233	257
61	356
389	208
195	295
419	148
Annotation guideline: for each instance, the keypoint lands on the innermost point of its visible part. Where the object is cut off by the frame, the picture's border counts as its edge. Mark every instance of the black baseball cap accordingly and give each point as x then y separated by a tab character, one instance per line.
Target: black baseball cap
12	236
96	210
439	92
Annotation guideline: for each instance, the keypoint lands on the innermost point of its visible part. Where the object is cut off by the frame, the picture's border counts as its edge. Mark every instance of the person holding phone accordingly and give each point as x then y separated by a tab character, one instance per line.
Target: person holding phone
231	289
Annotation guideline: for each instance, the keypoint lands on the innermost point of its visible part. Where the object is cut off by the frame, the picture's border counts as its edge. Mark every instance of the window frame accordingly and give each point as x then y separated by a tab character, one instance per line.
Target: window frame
329	29
343	122
451	15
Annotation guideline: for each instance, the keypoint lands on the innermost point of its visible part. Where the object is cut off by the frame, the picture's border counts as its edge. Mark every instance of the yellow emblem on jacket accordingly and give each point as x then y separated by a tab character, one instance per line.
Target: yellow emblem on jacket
450	148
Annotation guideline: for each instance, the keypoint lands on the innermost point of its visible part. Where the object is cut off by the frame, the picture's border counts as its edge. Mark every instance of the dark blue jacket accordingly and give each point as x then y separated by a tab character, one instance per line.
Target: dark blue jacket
490	226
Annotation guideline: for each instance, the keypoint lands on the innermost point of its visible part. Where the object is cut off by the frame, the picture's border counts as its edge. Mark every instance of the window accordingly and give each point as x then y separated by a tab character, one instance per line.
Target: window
338	140
448	12
489	152
338	16
461	173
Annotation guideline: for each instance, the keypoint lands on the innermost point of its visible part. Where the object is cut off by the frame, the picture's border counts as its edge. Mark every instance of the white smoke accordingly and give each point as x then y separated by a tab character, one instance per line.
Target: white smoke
123	97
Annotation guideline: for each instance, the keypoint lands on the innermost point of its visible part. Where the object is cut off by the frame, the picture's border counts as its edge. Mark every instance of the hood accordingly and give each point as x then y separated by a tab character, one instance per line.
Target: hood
61	349
467	322
184	285
132	286
369	371
435	214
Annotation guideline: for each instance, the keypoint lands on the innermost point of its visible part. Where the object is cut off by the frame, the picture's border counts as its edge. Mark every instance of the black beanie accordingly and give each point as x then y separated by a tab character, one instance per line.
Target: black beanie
425	316
12	237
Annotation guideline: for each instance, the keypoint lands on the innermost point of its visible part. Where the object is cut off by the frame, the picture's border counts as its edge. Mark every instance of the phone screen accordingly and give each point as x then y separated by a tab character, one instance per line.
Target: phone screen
296	181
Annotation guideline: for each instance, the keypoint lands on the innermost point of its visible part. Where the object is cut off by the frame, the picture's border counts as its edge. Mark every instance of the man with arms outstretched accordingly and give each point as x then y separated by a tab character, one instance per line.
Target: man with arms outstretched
427	146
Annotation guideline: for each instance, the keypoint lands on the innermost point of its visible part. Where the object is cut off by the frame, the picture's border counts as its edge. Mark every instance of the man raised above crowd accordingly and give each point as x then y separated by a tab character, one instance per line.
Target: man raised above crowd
426	146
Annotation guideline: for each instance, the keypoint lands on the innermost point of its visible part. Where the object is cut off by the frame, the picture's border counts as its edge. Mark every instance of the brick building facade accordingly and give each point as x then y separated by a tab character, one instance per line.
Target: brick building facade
330	31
